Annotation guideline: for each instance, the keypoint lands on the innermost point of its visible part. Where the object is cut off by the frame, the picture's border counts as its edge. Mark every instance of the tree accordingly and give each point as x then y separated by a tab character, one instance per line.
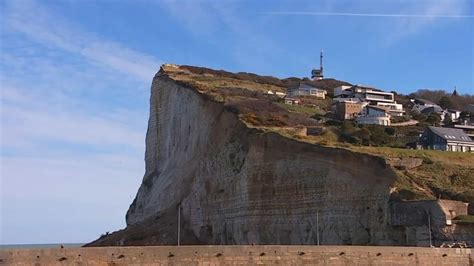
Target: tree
445	102
447	119
459	101
433	119
420	117
465	114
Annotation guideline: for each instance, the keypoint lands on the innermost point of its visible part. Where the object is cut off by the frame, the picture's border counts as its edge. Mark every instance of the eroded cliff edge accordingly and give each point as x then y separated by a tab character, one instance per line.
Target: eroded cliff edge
235	183
241	185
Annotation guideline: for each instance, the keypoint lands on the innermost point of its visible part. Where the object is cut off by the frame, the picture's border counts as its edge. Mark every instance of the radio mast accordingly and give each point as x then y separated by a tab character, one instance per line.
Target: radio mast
317	74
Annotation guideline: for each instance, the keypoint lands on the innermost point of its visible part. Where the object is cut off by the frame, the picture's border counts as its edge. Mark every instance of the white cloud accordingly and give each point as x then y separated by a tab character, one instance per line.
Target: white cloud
405	17
55	31
73	110
25	122
427	15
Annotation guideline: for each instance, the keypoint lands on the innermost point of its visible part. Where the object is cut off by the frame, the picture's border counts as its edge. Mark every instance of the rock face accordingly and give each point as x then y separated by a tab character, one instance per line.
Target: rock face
236	185
405	163
414	216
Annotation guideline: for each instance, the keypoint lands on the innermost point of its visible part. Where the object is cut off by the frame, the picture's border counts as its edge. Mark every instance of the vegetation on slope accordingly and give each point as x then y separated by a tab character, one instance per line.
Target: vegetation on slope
464	219
247	95
447	100
447	175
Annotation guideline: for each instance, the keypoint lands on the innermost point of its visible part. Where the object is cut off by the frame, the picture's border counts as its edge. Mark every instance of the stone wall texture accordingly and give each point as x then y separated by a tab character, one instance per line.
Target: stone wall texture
239	255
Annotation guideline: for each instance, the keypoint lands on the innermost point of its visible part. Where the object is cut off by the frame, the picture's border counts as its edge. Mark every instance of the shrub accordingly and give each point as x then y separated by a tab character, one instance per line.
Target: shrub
390	130
333	123
400	119
433	119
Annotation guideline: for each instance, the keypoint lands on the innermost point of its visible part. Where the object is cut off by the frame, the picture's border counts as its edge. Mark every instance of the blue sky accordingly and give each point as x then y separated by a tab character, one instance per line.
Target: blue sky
75	82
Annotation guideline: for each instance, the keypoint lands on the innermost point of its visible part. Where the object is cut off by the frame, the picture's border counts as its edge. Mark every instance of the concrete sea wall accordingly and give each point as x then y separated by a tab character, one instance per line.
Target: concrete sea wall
238	255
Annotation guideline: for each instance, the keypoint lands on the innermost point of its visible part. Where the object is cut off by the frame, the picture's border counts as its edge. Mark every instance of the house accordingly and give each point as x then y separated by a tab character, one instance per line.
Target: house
292	101
276	93
434	110
348	109
395	109
280	94
376	115
370	95
420	104
343	91
306	90
366	93
468	129
445	139
452	114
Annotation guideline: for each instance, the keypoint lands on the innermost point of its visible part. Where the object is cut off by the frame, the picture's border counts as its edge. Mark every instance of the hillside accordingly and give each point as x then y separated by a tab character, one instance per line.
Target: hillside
234	163
442	174
244	93
448	100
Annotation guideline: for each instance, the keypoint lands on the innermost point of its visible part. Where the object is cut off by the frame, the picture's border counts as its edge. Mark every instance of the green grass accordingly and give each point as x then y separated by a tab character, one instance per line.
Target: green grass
301	109
443	174
446	174
464	219
461	158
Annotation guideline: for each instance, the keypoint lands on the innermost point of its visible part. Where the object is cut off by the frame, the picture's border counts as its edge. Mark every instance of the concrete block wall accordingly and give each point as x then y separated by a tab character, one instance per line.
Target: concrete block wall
238	255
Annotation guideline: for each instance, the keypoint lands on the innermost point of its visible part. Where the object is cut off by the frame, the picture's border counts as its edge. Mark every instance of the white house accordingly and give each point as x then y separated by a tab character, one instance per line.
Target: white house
453	114
395	109
372	96
376	115
276	93
292	101
342	92
364	93
306	90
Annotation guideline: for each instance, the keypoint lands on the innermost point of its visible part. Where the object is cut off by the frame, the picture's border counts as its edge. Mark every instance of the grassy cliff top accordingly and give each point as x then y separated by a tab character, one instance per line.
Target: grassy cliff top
219	83
448	175
218	79
247	95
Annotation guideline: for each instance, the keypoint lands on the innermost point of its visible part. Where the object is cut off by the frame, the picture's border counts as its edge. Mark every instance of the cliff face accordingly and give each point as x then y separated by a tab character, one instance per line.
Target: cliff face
237	185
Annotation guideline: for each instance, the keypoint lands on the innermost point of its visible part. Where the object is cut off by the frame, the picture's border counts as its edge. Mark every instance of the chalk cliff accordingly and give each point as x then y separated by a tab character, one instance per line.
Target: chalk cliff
234	184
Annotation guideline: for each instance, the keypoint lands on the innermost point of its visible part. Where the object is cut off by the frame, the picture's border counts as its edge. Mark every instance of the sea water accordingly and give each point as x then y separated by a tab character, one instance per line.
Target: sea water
34	246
